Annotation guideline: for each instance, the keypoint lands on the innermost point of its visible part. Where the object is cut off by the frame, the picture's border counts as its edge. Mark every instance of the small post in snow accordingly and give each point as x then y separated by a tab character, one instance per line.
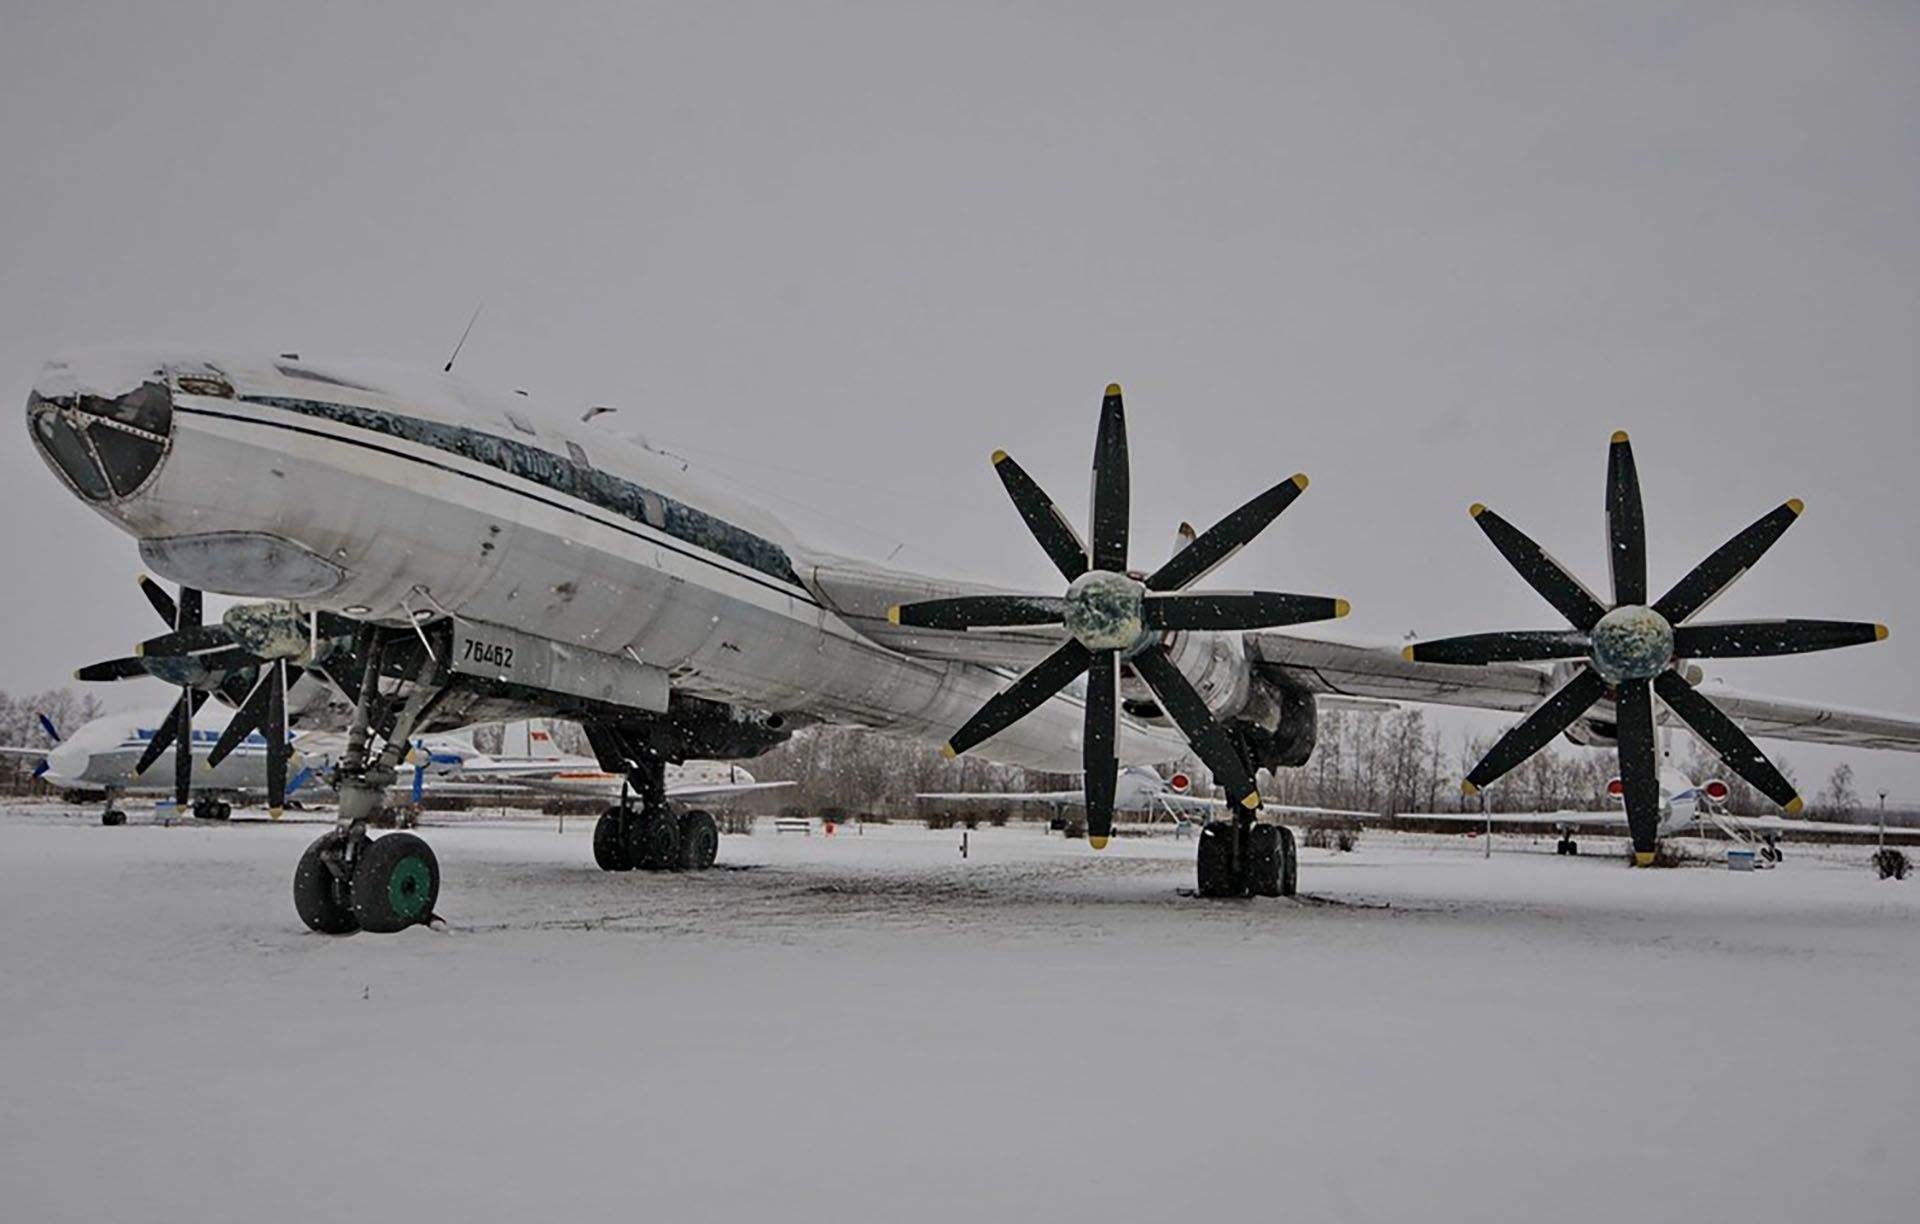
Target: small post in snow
1486	809
963	843
1883	820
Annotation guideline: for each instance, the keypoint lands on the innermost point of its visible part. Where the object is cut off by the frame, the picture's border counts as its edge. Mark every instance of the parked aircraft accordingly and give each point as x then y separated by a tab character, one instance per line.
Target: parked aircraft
100	758
1687	807
530	761
436	556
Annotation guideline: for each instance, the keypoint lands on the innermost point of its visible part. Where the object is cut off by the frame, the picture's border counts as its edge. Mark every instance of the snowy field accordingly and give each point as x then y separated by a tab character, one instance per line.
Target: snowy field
868	1027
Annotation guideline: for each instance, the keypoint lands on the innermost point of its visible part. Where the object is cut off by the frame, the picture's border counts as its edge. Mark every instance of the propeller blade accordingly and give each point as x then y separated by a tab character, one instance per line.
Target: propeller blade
192	640
162	739
1639	766
1056	535
1511	646
1023	696
278	749
1238	610
1725	737
419	781
1626	525
112	669
190	607
979	612
1545	575
1727	562
161	601
248	718
1098	746
1537	729
1187	708
1108	521
1756	639
1226	537
183	712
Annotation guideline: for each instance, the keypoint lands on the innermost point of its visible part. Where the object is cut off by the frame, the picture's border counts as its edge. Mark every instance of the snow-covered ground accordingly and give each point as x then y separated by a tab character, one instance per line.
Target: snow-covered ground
869	1027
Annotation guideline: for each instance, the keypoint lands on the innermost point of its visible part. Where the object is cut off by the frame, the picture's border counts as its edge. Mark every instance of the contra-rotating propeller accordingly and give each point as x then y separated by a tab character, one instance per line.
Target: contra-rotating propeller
202	660
1633	649
1117	619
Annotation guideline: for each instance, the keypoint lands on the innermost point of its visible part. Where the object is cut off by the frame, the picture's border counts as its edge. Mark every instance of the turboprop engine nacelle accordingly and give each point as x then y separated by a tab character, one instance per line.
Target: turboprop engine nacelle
1217	667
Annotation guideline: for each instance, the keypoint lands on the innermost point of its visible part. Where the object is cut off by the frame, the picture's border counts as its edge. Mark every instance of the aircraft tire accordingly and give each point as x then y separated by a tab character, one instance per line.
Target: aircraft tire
1573	848
112	817
699	841
653	840
317	896
1263	861
609	849
1214	859
1289	851
395	883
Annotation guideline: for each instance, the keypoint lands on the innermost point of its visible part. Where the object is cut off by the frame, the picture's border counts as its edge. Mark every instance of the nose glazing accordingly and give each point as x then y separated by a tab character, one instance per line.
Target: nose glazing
105	448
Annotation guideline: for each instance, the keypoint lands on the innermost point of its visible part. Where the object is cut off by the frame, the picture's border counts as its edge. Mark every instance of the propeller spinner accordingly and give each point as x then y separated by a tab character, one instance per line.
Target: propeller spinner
1116	618
1632	649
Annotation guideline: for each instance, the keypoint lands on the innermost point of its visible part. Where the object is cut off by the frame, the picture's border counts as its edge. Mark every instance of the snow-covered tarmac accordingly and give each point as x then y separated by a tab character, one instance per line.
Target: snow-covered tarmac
863	1028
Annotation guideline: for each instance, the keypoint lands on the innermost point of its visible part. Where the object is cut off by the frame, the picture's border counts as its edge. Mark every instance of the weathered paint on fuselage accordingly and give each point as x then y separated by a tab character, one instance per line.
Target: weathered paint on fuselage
410	525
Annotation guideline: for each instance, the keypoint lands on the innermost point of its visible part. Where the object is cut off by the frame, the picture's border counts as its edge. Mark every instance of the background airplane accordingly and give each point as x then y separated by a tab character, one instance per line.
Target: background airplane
102	758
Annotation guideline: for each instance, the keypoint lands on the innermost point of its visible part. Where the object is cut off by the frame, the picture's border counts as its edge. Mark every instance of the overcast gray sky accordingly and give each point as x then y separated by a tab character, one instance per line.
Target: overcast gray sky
1428	253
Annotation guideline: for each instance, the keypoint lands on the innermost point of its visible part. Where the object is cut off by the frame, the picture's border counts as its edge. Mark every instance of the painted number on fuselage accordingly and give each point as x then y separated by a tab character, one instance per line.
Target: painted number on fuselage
488	654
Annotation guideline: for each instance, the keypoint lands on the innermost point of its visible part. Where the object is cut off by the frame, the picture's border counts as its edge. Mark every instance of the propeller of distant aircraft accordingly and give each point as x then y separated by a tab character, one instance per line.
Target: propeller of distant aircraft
1117	618
1634	650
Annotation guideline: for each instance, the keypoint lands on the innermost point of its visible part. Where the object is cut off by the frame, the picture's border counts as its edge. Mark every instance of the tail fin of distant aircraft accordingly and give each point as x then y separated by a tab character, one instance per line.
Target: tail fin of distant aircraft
532	739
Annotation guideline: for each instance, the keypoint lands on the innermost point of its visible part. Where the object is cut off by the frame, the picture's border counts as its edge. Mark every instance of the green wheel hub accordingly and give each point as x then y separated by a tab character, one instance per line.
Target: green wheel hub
408	885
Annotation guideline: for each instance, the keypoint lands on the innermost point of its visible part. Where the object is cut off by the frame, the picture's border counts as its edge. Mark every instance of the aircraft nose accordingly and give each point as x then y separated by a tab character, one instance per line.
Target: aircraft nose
66	764
102	424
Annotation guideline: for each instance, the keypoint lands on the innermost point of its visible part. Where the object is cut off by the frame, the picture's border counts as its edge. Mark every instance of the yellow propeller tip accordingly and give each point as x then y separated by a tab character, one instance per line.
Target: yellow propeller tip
1252	801
273	813
1643	858
1619	436
1879	633
893	615
1477	509
1792	806
1098	843
1796	505
1341	607
1468	788
999	457
1300	480
1407	654
1113	389
947	751
140	650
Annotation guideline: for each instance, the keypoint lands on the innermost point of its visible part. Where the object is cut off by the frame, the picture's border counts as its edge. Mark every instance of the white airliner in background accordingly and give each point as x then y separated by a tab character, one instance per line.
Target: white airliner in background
100	756
429	555
98	759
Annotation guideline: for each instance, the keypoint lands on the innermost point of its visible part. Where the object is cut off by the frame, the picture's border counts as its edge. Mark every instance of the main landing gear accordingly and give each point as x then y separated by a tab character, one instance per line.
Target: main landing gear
209	808
349	881
1242	858
1566	845
651	835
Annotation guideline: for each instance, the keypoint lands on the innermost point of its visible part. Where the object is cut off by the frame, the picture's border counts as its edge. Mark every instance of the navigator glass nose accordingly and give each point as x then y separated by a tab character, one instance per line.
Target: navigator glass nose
104	448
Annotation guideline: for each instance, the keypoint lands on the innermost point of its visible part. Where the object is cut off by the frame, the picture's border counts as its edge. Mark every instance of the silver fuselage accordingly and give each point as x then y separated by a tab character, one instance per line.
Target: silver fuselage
382	494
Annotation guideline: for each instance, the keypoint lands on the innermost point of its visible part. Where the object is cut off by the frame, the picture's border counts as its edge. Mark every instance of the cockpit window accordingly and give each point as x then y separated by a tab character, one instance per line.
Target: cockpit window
66	448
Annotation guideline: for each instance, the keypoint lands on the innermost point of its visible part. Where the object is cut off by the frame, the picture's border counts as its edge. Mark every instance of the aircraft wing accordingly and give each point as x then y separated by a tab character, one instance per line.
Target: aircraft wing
1379	673
723	790
1060	796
